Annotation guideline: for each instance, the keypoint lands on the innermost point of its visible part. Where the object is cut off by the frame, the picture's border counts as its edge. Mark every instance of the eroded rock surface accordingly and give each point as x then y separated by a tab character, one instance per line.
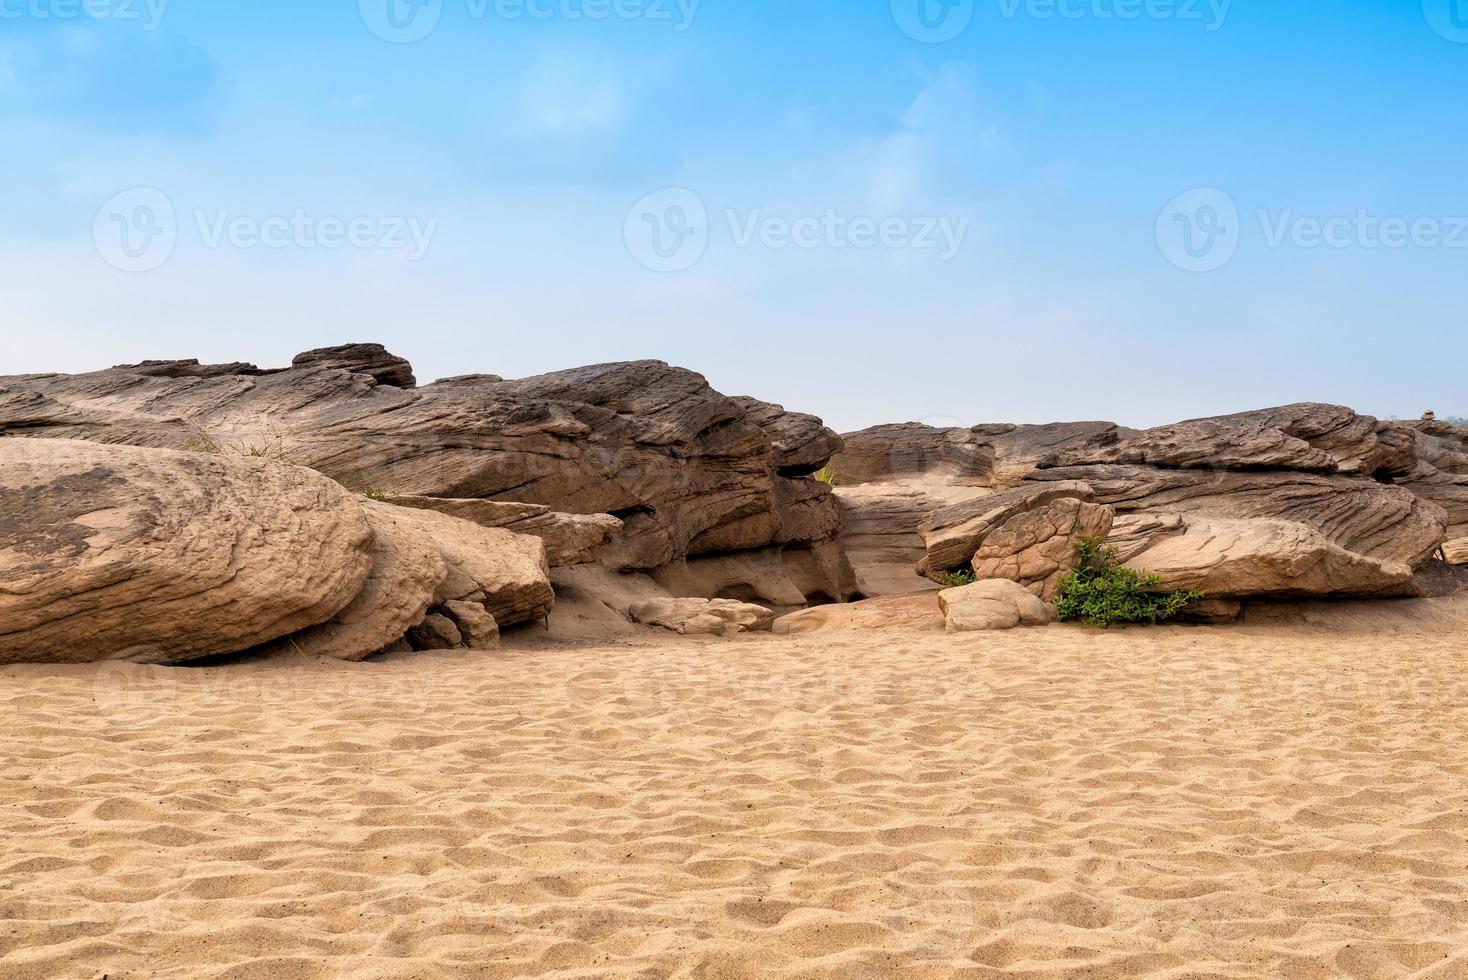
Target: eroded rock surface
570	539
994	604
1038	548
122	553
720	617
954	534
688	470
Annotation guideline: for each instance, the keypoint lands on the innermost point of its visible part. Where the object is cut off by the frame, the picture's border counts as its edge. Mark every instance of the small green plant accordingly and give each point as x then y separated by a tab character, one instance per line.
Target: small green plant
958	578
826	475
381	496
1101	591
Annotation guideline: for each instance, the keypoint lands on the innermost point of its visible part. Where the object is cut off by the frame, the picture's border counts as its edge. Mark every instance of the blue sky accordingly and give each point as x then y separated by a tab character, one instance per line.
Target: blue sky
483	198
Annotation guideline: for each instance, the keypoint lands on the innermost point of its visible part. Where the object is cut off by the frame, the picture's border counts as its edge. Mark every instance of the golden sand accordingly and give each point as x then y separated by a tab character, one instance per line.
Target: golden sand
1264	801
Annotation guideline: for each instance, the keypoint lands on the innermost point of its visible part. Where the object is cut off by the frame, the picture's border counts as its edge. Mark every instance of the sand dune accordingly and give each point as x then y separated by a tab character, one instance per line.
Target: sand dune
1253	802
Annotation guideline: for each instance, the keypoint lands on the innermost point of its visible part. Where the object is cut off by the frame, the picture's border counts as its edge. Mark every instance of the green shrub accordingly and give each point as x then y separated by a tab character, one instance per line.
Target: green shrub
1101	591
826	475
958	578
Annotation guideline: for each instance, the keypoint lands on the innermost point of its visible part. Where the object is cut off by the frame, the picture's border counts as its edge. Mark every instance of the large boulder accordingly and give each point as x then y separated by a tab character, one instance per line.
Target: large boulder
1388	523
1246	558
717	617
1303	500
1040	547
912	611
440	581
505	572
687	469
408	569
1308	437
954	534
993	604
123	553
373	360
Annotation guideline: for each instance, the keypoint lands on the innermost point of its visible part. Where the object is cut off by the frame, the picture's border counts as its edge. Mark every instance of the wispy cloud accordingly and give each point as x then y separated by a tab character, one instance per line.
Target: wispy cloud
570	94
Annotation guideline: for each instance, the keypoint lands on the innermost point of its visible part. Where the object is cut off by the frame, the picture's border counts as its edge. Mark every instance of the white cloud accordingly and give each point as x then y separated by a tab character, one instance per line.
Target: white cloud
570	94
943	118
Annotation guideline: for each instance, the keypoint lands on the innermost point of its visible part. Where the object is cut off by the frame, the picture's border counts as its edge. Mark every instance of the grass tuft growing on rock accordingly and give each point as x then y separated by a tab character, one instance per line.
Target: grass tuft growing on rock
1101	591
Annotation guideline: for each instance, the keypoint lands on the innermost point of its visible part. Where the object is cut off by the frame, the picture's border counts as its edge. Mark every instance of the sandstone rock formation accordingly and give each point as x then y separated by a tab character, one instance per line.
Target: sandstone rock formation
120	553
506	573
993	604
160	556
890	478
1039	547
373	360
954	534
881	537
1224	556
1436	468
570	539
719	617
687	470
1302	500
407	569
994	456
912	611
477	628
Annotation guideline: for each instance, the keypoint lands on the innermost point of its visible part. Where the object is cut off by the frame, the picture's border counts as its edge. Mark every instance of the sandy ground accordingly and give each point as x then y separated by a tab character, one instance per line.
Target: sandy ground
1263	801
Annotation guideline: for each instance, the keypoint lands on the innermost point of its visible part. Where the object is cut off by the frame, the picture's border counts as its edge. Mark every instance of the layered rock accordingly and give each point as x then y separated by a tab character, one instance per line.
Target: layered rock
1239	558
373	360
953	535
570	539
994	456
1303	499
689	471
160	556
1293	501
1436	468
121	553
408	567
881	537
506	573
